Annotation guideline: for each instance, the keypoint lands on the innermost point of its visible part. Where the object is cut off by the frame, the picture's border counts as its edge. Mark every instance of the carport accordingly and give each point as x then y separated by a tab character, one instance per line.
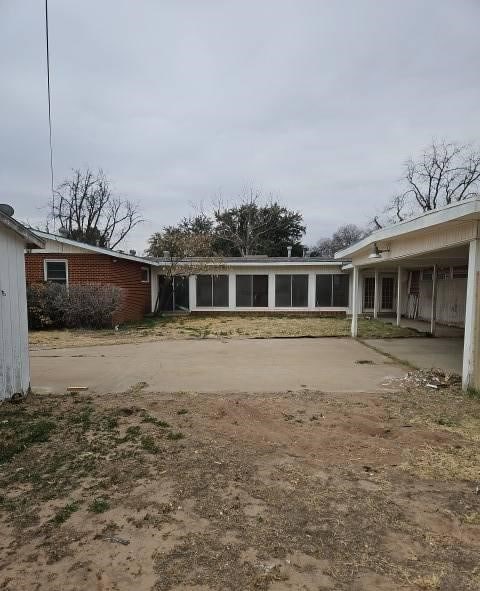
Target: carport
424	268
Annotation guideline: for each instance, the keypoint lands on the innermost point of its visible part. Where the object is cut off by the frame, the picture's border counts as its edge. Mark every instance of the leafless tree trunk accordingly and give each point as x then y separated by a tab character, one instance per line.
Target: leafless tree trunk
445	173
86	210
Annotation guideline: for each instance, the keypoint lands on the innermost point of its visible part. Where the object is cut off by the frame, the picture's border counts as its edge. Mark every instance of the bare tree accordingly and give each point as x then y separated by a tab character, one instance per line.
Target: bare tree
343	237
182	253
86	210
445	173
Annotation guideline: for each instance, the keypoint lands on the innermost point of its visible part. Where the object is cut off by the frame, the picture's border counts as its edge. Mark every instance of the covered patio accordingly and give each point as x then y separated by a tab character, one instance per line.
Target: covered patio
424	270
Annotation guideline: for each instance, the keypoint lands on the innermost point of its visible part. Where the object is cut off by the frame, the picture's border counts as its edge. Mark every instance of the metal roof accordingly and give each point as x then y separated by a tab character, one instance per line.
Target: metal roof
31	240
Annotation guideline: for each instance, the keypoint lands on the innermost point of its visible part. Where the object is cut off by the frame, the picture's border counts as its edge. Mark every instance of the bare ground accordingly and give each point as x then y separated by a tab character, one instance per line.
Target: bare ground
300	491
216	326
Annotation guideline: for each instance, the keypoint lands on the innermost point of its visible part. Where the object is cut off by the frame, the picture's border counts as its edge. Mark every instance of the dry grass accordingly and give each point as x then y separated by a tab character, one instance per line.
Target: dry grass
218	326
262	492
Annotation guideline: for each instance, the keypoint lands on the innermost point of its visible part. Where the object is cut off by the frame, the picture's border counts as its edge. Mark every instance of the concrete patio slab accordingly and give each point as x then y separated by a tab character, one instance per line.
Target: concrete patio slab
424	353
273	365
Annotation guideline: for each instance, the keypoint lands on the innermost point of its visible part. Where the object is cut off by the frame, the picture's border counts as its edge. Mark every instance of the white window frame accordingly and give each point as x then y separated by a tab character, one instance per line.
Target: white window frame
147	269
46	261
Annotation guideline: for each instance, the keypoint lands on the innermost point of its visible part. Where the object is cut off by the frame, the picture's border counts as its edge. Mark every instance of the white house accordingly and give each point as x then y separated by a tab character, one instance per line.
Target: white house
14	361
424	268
257	284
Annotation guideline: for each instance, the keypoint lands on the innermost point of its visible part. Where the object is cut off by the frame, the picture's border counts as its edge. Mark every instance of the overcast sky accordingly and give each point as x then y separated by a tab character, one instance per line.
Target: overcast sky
315	102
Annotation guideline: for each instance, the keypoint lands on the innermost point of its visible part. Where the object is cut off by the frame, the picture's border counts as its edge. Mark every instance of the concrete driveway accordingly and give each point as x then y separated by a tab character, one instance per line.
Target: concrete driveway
276	365
425	353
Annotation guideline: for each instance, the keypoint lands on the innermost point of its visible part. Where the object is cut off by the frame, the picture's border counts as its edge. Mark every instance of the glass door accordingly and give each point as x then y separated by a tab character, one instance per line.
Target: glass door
388	293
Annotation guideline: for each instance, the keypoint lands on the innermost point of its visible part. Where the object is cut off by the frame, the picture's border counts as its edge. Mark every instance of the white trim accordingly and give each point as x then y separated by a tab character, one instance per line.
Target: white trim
45	275
147	269
455	211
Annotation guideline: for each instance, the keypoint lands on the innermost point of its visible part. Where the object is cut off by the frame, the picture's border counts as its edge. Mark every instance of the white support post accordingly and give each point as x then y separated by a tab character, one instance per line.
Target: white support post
433	315
376	295
232	287
312	284
399	295
271	291
355	302
192	292
471	351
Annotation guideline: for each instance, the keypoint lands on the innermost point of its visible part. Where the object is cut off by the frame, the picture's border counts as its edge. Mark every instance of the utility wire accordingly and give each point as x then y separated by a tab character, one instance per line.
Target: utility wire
49	112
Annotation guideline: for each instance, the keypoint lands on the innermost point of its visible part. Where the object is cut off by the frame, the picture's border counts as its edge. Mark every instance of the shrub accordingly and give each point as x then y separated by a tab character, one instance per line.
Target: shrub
87	305
46	304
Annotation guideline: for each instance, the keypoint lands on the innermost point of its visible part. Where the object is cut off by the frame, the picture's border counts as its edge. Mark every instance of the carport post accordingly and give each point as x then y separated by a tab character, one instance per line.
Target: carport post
471	369
433	315
376	295
355	302
399	295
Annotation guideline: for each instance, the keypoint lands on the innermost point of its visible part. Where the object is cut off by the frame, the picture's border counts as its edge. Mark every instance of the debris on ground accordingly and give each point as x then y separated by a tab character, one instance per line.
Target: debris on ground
434	379
114	540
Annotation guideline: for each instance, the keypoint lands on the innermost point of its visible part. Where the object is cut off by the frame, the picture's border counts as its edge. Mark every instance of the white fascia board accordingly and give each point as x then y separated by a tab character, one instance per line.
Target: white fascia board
426	220
257	264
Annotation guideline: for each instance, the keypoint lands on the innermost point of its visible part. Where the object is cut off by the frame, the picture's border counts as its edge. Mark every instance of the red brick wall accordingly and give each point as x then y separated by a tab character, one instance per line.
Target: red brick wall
99	268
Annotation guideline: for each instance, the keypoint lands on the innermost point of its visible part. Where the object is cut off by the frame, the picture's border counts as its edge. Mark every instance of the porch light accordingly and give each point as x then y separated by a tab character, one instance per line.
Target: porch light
376	252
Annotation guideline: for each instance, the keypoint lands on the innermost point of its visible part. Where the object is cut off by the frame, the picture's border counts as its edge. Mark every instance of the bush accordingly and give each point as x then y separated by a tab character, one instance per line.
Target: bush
87	305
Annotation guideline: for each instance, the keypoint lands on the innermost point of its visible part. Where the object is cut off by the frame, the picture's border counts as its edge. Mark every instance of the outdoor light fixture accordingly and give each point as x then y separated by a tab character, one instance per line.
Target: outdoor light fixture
377	252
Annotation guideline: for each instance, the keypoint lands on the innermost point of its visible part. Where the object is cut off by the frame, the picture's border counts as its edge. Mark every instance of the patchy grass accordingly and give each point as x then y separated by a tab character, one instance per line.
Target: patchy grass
218	326
65	512
265	491
99	505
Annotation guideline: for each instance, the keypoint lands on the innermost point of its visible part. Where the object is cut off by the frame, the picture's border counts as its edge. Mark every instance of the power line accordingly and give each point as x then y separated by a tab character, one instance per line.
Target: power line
49	110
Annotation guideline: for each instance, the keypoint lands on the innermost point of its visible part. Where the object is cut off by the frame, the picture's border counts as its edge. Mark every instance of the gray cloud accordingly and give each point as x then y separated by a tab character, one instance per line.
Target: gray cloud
318	103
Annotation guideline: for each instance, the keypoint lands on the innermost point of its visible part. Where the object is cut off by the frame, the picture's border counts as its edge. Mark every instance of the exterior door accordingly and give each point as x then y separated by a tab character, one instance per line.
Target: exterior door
387	294
368	293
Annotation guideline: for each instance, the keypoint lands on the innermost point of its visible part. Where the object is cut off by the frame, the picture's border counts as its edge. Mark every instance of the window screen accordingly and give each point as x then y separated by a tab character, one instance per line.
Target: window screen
291	290
341	286
252	291
212	290
56	271
204	290
324	291
332	291
220	290
299	290
283	290
145	272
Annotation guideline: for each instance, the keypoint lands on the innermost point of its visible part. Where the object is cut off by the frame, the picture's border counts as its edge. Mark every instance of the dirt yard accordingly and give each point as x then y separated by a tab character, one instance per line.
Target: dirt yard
277	492
217	326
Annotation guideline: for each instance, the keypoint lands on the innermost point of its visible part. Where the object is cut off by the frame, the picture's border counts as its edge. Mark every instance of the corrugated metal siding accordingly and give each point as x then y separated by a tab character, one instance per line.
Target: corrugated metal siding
14	361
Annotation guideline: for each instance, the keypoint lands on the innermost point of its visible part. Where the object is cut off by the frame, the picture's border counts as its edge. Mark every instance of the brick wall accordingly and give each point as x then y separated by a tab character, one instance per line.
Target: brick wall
99	268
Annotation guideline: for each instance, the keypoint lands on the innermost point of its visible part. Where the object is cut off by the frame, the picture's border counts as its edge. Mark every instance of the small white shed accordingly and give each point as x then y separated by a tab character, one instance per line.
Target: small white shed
14	361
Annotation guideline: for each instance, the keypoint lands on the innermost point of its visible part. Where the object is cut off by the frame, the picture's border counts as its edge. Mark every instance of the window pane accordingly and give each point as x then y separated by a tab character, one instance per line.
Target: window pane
244	290
300	290
324	291
368	293
260	291
181	292
220	290
57	271
204	290
283	291
387	293
340	290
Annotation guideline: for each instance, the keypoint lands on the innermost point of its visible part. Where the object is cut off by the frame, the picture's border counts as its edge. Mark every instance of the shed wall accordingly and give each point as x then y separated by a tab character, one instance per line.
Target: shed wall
14	361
